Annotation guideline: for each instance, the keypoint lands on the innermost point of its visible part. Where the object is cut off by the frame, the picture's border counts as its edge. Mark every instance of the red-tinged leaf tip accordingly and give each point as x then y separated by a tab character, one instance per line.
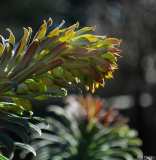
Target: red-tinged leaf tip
117	55
93	28
92	88
102	84
114	65
49	22
114	50
103	63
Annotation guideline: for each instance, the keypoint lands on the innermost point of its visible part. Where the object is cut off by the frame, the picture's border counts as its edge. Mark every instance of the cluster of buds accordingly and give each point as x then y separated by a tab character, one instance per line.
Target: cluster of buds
59	59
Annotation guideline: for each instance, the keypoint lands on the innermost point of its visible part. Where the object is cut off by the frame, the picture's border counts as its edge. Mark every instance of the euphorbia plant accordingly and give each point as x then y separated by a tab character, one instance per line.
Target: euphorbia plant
86	129
59	59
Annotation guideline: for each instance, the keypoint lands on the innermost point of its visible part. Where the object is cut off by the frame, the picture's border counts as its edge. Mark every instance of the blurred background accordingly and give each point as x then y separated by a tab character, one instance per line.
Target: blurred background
133	90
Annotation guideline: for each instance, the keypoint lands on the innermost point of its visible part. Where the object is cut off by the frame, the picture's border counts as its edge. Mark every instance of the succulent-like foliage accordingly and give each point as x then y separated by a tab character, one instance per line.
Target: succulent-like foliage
19	125
86	130
59	59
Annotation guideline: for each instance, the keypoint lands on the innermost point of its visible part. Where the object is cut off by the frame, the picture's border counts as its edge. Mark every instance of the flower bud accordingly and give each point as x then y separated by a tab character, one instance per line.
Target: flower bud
75	72
47	80
32	86
42	87
21	91
26	104
16	109
42	97
56	73
67	75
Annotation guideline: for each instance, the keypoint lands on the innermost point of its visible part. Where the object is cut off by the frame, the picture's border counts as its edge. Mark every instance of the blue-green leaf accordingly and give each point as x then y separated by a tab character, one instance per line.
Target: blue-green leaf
5	141
12	83
25	146
19	121
18	130
35	128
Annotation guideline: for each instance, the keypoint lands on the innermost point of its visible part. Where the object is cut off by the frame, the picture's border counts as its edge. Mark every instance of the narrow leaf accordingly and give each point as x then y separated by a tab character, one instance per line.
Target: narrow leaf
27	96
56	95
19	121
5	58
66	36
21	47
21	77
51	65
5	84
42	31
42	120
103	63
136	151
134	142
74	64
3	158
1	49
83	30
108	41
24	63
18	130
46	42
55	51
11	38
8	143
49	22
25	74
35	128
84	40
83	52
25	146
63	84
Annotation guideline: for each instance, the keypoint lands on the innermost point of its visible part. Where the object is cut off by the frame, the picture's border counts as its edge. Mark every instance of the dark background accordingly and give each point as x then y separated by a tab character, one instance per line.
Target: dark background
133	89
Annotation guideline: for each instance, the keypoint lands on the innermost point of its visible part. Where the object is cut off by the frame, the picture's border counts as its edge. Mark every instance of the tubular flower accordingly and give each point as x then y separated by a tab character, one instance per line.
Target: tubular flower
59	59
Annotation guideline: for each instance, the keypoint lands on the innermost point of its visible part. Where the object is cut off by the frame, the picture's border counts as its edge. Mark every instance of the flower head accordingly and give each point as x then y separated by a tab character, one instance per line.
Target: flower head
93	108
59	59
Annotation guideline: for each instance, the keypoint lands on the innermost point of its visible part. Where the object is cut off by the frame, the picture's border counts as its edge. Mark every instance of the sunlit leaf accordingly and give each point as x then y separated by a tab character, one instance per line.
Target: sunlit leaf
11	38
3	158
25	146
42	31
35	128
